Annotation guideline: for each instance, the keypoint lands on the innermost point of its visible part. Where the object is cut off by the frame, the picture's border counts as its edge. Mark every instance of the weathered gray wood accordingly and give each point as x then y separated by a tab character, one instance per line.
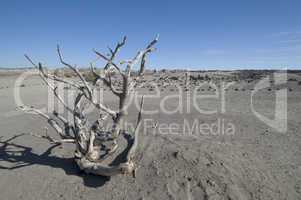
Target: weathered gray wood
88	149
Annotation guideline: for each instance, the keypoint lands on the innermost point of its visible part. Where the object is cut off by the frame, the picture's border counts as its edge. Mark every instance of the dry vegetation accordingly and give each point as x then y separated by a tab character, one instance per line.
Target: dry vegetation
95	147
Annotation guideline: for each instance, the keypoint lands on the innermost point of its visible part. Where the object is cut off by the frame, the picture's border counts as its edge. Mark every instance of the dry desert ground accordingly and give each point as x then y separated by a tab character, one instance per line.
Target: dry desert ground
225	151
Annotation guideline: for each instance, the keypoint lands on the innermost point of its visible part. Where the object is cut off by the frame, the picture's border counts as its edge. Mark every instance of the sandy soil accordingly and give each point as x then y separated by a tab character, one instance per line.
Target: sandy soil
256	162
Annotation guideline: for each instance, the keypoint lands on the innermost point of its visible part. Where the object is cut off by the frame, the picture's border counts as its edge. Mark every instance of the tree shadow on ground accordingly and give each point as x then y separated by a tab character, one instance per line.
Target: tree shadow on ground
22	156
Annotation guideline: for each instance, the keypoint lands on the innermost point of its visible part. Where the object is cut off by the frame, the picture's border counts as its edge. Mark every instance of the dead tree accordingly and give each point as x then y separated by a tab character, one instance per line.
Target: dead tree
94	146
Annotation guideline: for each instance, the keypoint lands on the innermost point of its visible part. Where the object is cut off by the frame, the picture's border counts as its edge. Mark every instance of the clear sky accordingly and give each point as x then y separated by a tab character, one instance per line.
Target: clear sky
222	34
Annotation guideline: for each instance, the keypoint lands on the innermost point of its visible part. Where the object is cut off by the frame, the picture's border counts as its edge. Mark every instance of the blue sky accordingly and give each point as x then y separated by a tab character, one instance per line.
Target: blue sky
193	34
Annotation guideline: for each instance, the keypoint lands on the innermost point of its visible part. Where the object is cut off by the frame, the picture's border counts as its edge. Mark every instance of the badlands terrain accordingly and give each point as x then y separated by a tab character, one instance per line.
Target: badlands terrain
211	147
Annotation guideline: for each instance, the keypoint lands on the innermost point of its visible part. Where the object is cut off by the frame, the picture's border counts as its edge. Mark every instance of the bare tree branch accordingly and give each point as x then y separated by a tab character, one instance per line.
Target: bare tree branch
93	143
143	60
110	62
76	72
108	83
52	77
135	143
113	53
50	121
